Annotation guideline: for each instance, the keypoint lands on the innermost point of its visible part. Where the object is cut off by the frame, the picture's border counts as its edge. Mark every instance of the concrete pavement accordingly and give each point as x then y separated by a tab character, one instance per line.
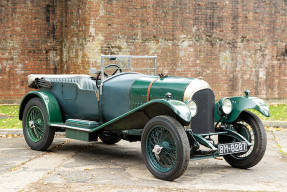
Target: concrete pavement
71	165
278	124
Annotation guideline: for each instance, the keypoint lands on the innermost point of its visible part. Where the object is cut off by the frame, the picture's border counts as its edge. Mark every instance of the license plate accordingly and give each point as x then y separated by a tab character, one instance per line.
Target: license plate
230	148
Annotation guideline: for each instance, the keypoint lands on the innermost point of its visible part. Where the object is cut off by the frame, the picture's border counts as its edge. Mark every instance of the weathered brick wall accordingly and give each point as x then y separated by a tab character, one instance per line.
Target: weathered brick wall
234	44
28	44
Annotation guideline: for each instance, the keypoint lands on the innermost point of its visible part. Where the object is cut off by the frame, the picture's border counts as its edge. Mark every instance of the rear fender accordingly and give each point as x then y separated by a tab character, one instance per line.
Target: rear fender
138	117
50	102
241	103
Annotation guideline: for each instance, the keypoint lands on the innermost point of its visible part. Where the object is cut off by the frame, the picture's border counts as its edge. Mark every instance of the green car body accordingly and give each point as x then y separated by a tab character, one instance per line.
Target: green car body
138	101
239	104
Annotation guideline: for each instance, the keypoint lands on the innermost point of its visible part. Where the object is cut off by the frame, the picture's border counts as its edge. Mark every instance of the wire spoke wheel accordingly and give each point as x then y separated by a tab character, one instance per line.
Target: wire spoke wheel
35	124
247	131
250	127
37	132
165	147
164	159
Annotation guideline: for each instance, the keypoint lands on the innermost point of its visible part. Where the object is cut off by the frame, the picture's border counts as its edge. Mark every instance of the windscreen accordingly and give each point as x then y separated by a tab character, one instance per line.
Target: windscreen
141	64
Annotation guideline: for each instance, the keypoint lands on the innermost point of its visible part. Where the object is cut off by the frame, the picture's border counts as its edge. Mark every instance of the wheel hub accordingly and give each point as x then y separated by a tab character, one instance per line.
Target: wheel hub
156	150
165	145
32	124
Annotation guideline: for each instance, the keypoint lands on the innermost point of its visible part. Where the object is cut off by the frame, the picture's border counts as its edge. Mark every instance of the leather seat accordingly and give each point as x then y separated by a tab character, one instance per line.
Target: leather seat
88	84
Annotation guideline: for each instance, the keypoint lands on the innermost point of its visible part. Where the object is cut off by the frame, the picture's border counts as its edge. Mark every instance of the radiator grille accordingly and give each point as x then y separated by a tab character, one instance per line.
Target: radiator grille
203	122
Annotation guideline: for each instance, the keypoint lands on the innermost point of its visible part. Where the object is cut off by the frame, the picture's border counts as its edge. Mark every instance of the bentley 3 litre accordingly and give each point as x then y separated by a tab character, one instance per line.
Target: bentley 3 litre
175	119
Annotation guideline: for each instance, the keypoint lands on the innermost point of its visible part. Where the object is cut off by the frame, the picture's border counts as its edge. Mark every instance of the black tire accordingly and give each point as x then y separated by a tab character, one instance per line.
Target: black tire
38	135
171	145
109	139
252	128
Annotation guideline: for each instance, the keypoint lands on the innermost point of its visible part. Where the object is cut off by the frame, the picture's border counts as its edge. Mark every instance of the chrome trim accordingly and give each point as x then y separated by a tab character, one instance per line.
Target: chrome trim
194	86
222	105
195	107
70	127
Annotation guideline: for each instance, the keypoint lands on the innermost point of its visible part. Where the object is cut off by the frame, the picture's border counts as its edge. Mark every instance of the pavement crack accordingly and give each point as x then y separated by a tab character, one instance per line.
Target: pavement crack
278	144
39	155
54	170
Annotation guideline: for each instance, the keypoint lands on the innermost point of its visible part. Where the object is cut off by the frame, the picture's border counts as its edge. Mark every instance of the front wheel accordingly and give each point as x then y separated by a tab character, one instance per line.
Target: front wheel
165	148
37	133
251	127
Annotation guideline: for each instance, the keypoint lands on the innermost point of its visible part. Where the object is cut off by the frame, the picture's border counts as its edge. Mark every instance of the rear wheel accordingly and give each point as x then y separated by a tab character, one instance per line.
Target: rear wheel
165	148
37	132
250	127
108	138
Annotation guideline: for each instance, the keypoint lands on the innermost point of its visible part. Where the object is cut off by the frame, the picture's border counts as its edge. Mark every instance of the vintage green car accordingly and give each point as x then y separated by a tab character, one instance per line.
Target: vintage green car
176	119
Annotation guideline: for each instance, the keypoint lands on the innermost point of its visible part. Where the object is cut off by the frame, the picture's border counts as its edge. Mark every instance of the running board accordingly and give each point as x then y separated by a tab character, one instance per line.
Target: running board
79	129
63	125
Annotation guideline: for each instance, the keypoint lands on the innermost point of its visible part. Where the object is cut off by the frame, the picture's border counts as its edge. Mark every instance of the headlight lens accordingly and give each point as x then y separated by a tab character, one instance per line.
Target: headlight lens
192	107
226	106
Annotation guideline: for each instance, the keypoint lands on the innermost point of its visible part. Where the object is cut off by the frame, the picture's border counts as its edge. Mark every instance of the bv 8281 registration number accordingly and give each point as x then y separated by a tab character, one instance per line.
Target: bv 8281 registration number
230	148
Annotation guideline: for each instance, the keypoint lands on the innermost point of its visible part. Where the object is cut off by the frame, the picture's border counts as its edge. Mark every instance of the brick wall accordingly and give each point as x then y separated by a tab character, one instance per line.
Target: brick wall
234	45
28	44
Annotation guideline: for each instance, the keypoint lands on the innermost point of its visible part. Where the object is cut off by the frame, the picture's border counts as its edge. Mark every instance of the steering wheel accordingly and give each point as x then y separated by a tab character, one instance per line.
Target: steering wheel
114	65
98	74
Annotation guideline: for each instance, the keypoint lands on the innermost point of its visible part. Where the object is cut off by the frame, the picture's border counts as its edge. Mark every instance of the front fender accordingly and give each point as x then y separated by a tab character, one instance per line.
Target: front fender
138	117
179	108
50	102
241	103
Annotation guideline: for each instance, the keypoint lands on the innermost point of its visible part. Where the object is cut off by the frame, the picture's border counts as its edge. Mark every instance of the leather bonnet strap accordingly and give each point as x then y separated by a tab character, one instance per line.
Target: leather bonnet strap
148	90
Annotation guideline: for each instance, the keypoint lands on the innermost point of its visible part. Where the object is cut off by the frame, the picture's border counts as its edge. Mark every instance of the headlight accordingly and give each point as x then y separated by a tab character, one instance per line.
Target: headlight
192	107
225	106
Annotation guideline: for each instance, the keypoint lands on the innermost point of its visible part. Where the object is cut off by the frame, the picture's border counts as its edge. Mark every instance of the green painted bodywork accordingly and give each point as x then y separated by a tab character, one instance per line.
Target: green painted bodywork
138	117
54	115
174	85
75	102
239	104
80	135
82	123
